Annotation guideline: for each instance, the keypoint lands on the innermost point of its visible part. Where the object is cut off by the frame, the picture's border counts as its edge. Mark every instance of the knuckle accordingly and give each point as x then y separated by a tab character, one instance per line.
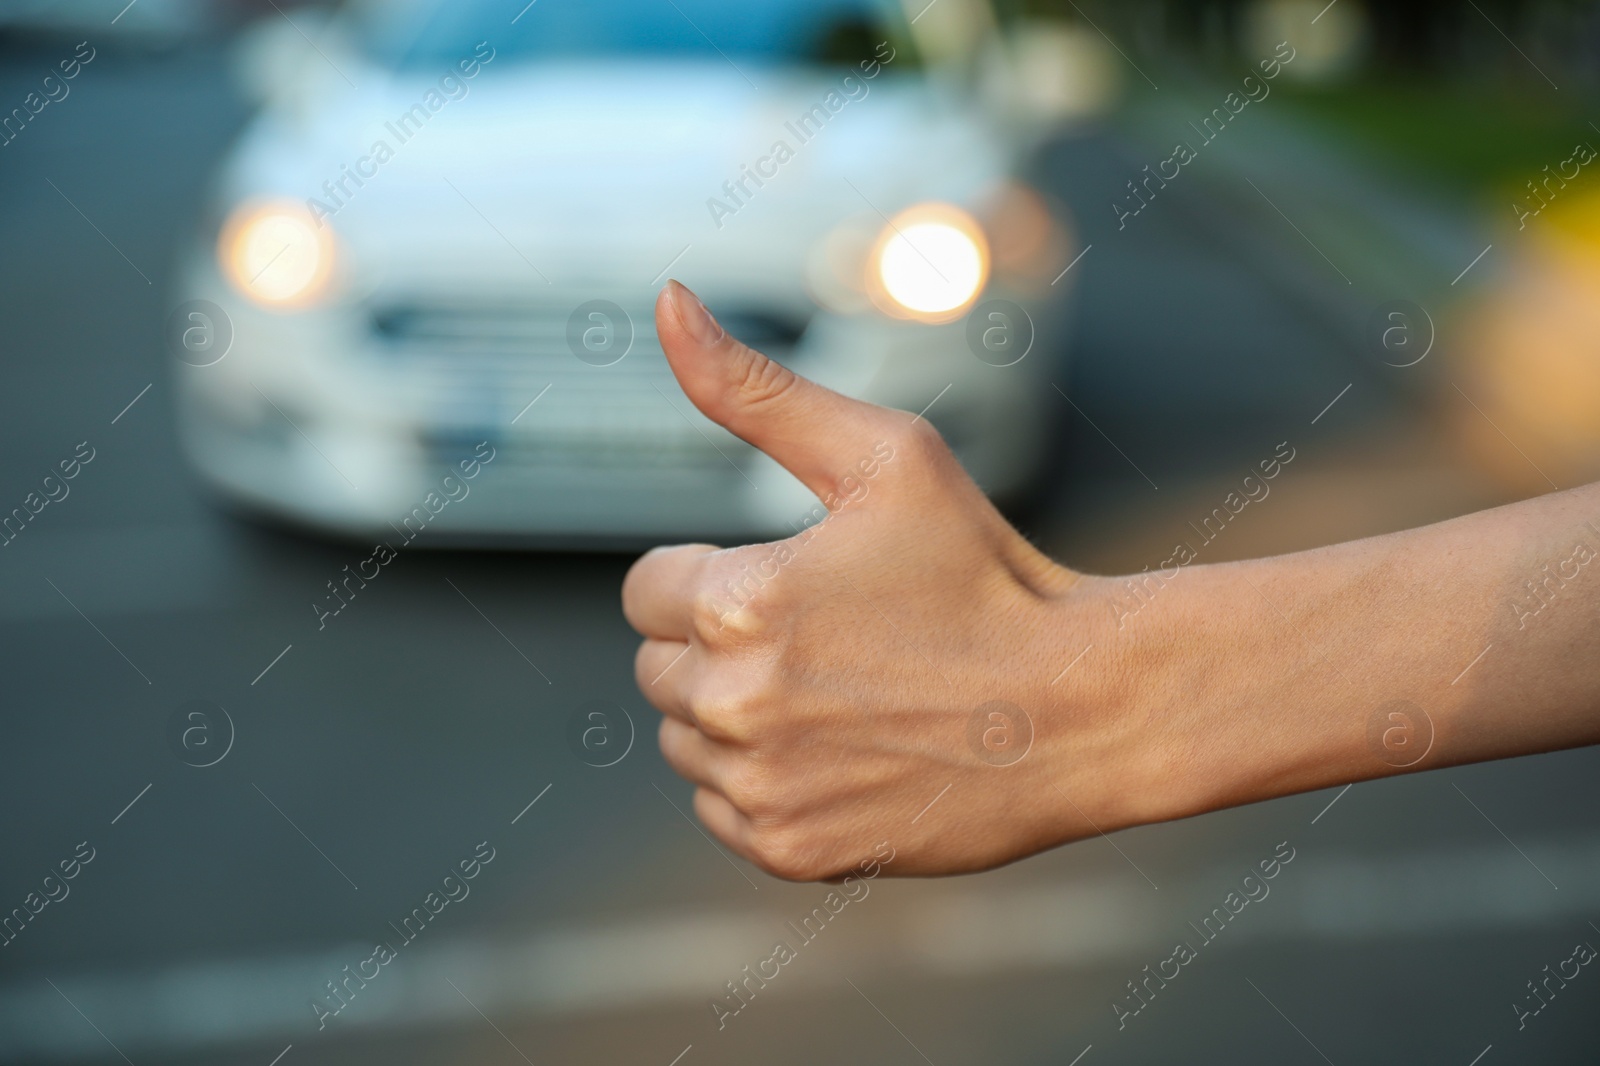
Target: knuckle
919	451
758	791
731	603
710	615
788	853
724	718
745	789
763	380
922	440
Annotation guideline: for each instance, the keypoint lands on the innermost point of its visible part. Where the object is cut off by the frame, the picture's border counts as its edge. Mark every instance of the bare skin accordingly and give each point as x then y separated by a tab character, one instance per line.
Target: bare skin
823	691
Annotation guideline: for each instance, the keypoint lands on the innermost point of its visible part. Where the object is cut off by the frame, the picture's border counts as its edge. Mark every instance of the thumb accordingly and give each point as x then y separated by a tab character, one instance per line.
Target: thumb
811	431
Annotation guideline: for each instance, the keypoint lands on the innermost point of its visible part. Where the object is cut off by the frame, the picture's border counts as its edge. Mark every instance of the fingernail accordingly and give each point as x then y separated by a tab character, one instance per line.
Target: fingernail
693	316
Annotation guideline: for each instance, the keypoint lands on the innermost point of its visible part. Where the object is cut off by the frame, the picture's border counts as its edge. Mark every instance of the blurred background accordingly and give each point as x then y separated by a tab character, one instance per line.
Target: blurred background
1383	252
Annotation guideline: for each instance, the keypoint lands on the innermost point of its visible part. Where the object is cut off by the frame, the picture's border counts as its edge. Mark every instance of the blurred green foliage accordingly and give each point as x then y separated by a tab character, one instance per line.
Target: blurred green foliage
1469	138
1461	94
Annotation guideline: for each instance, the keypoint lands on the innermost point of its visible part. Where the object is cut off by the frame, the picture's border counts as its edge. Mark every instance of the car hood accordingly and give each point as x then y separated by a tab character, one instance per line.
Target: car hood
577	171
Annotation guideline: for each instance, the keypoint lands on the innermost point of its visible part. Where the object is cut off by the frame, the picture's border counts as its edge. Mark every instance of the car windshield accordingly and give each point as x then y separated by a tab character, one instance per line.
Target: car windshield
741	31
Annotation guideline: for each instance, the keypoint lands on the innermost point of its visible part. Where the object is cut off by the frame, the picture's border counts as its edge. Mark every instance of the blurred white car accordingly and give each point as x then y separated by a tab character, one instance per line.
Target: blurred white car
443	235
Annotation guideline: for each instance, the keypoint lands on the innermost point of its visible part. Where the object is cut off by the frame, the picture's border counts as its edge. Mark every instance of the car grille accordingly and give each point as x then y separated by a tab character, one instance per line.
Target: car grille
472	369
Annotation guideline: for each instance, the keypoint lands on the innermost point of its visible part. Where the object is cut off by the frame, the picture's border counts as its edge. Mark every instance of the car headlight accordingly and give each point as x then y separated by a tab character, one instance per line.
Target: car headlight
930	263
276	253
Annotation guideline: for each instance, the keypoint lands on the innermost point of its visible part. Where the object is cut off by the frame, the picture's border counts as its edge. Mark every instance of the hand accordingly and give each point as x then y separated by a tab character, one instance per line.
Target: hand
836	692
825	690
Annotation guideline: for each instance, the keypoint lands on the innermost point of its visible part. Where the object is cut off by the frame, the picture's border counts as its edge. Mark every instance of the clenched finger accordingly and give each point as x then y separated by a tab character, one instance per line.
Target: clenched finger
663	669
658	593
693	756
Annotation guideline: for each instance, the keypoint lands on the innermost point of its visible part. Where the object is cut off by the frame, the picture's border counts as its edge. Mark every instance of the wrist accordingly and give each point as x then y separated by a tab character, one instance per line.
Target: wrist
1190	698
1111	753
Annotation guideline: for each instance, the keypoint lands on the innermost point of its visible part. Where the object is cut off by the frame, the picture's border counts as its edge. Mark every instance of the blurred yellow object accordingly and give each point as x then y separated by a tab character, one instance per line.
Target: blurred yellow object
930	263
1532	353
1573	222
276	254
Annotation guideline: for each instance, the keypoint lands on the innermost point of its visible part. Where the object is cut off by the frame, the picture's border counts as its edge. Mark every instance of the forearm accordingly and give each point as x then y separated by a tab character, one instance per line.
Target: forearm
1468	640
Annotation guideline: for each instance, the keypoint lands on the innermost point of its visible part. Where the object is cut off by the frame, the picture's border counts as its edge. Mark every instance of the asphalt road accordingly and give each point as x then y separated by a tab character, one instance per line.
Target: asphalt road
370	758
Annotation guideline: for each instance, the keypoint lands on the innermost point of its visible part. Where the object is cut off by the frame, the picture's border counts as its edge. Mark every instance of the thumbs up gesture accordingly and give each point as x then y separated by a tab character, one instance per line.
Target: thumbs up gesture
910	674
883	676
